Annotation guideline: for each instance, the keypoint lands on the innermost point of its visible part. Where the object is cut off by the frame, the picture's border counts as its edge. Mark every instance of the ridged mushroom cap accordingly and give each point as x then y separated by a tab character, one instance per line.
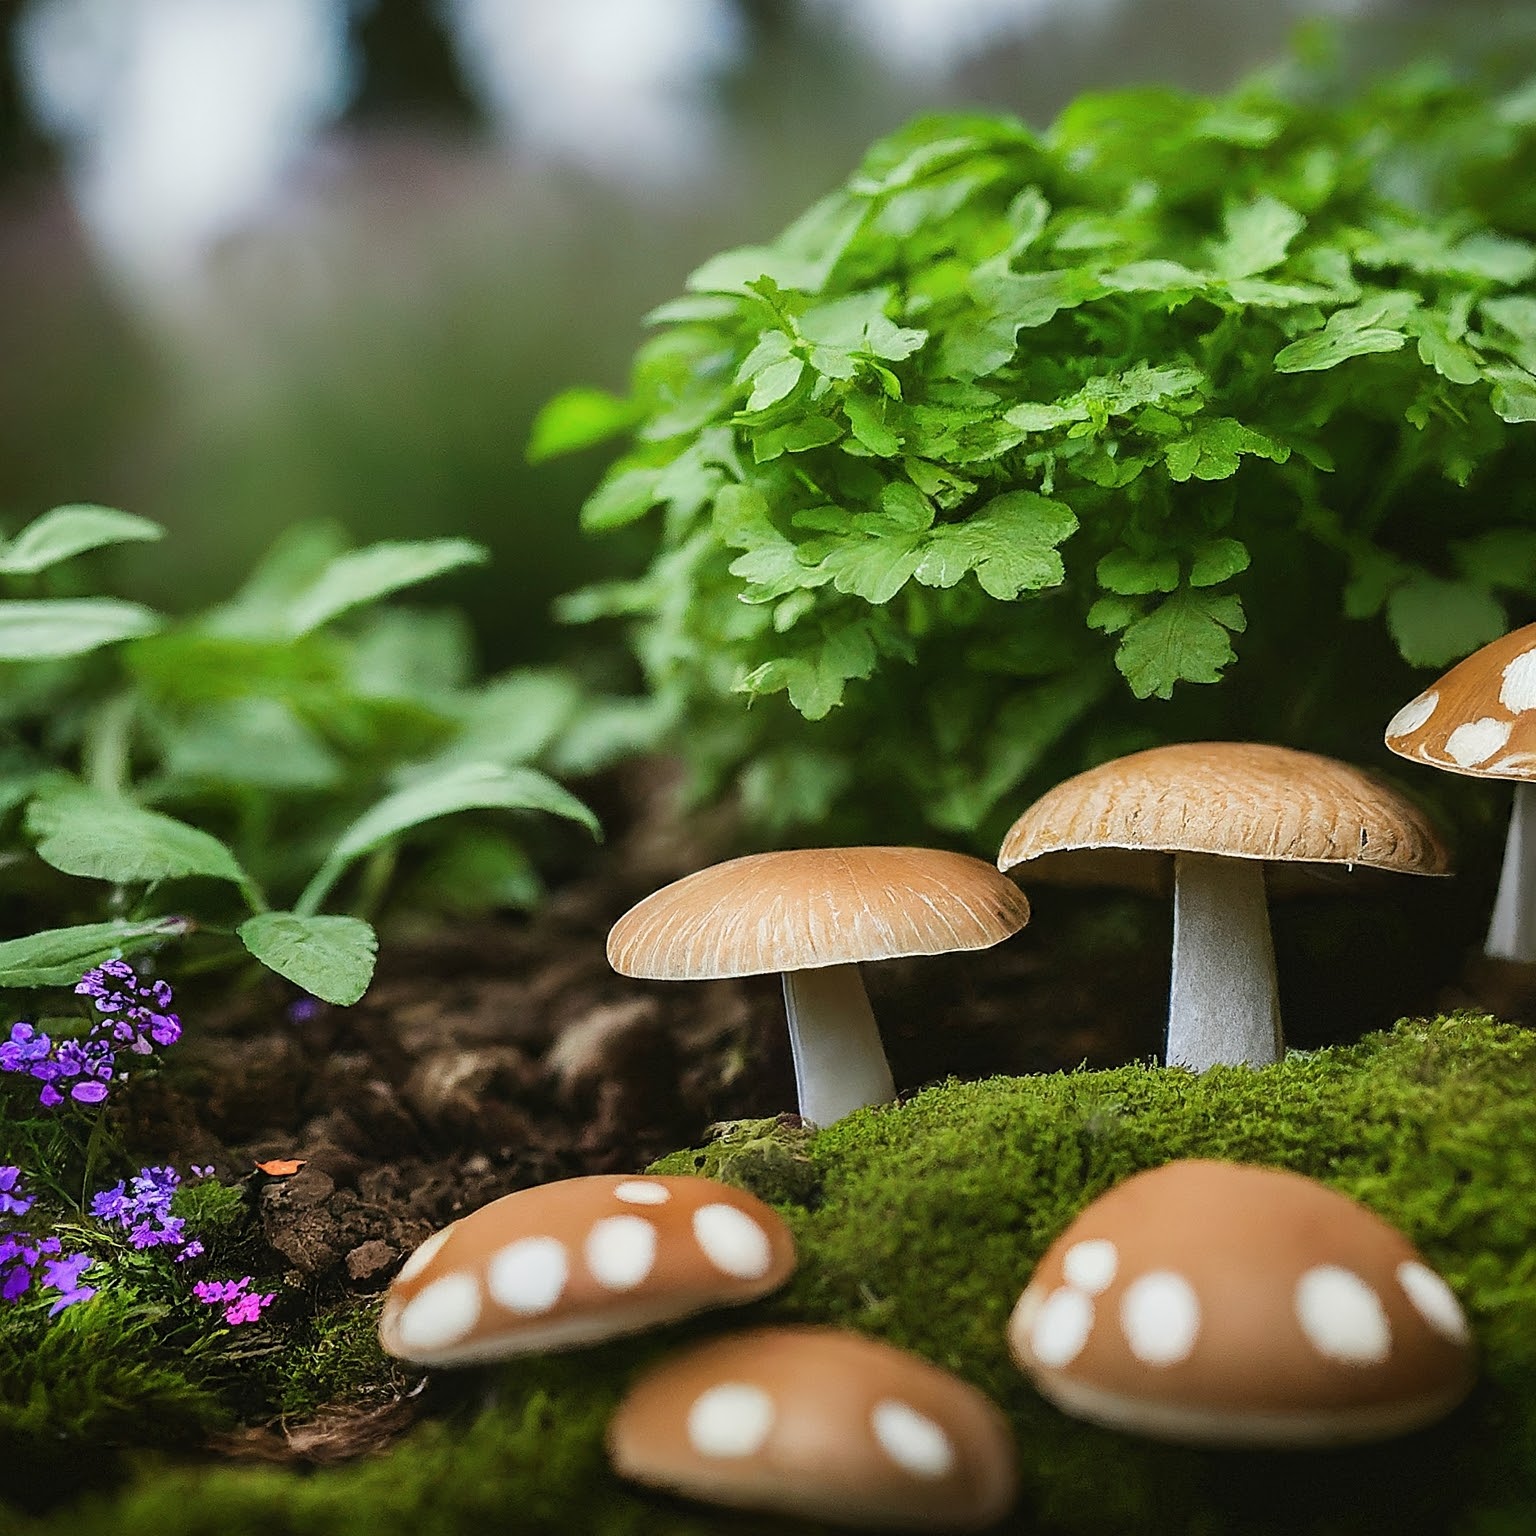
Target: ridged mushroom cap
1480	718
578	1261
810	907
1244	800
819	1423
1222	1304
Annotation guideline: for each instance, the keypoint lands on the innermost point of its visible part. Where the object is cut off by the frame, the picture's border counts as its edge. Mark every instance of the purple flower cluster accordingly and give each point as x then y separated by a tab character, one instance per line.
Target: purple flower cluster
240	1303
135	1017
142	1207
21	1253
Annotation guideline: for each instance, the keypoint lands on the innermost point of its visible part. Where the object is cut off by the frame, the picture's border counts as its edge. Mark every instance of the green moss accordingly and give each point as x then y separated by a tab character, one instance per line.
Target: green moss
334	1358
921	1224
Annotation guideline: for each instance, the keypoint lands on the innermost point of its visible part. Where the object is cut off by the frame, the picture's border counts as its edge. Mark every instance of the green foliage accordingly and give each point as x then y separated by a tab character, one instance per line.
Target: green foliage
194	769
921	1223
1179	381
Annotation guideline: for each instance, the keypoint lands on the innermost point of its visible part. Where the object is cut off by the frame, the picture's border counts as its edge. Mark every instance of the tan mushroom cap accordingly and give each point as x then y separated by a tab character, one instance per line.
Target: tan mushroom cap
1480	718
811	907
822	1424
1243	800
1216	1303
578	1261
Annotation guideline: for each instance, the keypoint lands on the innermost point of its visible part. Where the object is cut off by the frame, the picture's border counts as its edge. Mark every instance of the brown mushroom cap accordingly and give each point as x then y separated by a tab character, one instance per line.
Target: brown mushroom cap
1216	1303
1243	800
822	1424
1480	718
578	1261
811	907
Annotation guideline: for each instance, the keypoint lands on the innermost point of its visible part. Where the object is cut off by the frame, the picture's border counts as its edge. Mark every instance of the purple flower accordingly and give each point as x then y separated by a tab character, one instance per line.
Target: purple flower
202	1170
248	1308
193	1250
240	1303
63	1276
23	1048
112	1204
14	1201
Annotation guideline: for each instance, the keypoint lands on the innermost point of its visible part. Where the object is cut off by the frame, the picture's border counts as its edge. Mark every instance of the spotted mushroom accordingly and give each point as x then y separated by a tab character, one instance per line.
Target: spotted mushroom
1214	814
822	1424
578	1261
1480	720
1215	1303
813	914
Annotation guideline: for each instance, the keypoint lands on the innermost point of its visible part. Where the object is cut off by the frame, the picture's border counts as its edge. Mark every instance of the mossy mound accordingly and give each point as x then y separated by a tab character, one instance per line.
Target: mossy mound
921	1223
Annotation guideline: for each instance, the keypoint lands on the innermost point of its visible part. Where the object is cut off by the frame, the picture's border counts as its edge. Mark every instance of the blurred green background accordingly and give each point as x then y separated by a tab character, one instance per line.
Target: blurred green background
264	261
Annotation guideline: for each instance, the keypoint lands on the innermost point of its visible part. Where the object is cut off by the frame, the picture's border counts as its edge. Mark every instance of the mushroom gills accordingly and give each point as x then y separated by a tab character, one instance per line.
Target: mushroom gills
1223	1004
1512	931
840	1064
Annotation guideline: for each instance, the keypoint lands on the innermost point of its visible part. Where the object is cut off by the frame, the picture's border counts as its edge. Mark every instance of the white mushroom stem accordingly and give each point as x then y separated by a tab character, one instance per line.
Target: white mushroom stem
1223	1006
1512	933
840	1065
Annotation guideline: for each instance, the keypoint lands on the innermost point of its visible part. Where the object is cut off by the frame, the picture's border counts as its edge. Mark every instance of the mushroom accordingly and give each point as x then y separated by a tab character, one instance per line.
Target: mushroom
579	1261
1220	1304
1480	719
822	1424
1223	810
813	914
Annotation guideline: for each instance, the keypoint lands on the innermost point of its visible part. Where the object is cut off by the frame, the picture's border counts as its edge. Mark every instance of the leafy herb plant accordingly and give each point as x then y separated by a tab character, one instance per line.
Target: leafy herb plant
236	772
1017	430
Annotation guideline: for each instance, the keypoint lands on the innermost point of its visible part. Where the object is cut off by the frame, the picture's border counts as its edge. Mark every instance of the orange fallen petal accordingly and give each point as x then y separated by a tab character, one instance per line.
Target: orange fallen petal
281	1167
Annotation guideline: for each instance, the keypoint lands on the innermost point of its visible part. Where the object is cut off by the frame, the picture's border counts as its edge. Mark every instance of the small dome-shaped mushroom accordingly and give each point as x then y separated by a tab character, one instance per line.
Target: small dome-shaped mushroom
1222	1304
819	1423
578	1261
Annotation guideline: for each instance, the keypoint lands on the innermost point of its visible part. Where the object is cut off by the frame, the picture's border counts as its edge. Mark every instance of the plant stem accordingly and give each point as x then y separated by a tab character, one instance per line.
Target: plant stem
840	1065
1512	932
1223	1005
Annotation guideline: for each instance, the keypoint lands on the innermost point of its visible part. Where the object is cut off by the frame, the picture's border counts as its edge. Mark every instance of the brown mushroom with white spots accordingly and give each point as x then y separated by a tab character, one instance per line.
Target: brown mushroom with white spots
812	915
1480	720
1215	1303
578	1261
1214	815
822	1424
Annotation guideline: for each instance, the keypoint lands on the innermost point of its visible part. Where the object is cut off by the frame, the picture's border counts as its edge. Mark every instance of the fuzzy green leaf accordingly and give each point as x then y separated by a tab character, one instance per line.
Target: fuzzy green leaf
1125	572
1216	561
330	957
446	792
1436	622
1010	544
64	532
577	419
364	575
46	629
1355	332
1257	236
58	957
82	831
1184	639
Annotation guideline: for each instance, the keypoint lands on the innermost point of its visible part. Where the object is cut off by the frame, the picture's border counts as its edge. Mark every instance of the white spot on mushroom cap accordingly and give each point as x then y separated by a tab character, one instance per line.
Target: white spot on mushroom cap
1413	714
620	1251
1342	1316
528	1276
732	1241
1090	1265
1160	1316
1477	741
732	1419
642	1192
1517	691
440	1314
911	1439
1433	1300
424	1255
1061	1327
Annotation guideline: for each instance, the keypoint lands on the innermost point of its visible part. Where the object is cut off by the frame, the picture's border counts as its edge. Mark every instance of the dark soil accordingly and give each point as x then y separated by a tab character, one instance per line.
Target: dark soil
499	1055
